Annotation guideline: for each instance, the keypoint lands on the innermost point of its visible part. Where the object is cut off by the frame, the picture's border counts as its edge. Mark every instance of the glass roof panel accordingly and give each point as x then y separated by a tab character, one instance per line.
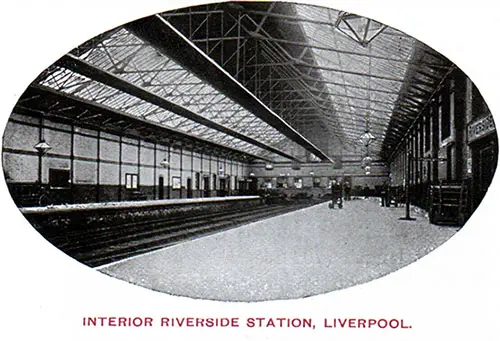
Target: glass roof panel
364	81
65	81
144	66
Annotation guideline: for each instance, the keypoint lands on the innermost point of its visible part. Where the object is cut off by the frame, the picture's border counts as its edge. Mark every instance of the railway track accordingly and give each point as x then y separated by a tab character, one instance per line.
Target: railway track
99	245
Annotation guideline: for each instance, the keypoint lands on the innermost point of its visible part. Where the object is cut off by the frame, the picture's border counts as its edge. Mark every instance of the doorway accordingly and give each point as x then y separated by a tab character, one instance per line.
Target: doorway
484	162
206	187
189	187
222	188
161	188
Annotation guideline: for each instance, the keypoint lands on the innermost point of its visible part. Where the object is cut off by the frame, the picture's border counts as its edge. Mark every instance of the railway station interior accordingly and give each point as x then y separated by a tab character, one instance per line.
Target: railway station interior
201	152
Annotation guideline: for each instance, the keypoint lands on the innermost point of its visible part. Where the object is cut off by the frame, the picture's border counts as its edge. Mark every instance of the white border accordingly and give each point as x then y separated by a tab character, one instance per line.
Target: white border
451	294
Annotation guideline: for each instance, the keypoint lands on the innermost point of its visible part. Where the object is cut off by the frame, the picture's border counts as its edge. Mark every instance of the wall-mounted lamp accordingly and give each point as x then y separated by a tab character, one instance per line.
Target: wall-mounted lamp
42	147
164	163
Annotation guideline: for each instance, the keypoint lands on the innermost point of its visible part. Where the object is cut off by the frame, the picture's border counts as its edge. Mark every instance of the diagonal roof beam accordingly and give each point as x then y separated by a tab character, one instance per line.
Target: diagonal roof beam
90	110
169	41
83	68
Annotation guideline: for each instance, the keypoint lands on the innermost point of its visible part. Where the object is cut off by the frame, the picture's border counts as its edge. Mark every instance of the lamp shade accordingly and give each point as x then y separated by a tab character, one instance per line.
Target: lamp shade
367	138
367	161
42	146
164	163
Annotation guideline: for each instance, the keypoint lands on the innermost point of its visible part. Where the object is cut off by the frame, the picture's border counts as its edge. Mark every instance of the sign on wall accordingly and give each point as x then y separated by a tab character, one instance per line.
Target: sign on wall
480	128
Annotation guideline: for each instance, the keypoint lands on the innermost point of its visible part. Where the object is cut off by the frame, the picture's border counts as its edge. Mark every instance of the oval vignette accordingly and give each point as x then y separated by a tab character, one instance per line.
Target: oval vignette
311	148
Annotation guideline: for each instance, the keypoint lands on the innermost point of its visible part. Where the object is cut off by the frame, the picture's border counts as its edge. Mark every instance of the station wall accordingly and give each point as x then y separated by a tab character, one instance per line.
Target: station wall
315	178
453	141
88	165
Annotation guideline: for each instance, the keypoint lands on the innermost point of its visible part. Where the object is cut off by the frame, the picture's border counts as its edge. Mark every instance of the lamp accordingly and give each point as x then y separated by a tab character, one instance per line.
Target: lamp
164	163
42	147
366	162
269	166
367	138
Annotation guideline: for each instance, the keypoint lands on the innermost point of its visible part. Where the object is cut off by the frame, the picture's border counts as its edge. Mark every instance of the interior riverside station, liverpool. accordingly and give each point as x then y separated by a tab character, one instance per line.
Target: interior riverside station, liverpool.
249	151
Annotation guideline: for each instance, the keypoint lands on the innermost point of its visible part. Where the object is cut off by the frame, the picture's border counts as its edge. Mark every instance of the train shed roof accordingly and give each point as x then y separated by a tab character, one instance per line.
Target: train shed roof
277	81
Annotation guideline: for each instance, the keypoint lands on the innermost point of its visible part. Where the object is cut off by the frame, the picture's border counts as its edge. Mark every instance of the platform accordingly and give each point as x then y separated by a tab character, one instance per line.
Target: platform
127	205
58	220
302	253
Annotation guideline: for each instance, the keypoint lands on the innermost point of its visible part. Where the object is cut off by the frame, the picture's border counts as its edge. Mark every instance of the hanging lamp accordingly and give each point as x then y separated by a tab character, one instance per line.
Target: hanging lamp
367	138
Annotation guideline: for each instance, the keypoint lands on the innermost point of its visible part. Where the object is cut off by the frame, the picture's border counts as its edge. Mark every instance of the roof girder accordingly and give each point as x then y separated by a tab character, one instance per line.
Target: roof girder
110	117
157	31
79	66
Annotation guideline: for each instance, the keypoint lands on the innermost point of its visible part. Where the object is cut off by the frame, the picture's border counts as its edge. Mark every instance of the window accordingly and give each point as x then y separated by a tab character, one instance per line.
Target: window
281	182
59	178
131	181
427	129
479	108
297	182
445	115
197	180
176	182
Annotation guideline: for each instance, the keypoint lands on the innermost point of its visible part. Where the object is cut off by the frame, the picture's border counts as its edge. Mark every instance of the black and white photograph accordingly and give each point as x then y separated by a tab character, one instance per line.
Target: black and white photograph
253	152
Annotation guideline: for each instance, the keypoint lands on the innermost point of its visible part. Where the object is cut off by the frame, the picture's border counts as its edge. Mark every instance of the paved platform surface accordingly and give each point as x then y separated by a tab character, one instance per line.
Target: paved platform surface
303	253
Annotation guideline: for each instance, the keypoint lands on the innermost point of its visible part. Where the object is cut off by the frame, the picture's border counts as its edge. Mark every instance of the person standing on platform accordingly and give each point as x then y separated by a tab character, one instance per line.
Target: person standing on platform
347	190
384	193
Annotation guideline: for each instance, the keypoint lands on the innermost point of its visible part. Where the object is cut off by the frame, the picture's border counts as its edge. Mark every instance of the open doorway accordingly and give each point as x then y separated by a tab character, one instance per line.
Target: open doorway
161	188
